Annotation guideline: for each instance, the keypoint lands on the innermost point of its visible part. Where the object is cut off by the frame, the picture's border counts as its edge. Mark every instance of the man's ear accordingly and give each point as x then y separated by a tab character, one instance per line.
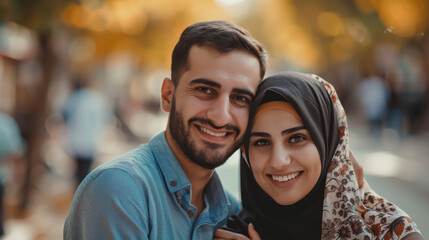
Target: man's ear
167	92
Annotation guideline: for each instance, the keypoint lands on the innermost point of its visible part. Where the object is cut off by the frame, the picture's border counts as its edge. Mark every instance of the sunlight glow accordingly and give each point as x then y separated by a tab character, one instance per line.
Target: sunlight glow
330	23
386	164
229	3
406	17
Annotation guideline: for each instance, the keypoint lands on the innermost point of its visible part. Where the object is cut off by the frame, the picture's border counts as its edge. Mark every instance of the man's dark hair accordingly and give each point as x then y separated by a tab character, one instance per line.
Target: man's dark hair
223	36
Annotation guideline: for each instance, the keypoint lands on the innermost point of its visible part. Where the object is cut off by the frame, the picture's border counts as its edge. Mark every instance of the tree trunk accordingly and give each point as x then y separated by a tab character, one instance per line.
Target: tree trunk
36	131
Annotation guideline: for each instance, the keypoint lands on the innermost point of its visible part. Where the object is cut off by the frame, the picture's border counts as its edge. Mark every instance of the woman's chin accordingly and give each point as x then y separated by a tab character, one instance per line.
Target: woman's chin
284	202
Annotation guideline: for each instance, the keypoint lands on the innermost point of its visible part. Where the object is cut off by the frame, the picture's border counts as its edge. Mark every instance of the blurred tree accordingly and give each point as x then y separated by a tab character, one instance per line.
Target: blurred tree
147	29
41	16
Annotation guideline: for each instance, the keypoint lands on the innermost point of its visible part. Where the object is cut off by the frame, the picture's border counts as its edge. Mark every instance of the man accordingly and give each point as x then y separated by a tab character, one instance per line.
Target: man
167	189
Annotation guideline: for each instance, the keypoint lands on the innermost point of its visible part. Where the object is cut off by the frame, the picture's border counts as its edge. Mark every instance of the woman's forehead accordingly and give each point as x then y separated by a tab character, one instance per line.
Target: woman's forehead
275	119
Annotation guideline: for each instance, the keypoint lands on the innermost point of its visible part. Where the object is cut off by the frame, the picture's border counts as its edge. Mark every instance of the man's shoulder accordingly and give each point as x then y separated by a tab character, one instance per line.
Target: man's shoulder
113	194
133	172
138	160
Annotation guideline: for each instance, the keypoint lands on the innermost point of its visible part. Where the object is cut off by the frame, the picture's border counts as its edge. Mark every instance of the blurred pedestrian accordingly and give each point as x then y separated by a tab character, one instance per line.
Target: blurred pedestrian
373	96
86	114
412	89
11	152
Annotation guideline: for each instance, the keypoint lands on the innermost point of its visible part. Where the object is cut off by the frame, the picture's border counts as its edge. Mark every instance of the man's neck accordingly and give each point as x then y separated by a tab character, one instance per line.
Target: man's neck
197	175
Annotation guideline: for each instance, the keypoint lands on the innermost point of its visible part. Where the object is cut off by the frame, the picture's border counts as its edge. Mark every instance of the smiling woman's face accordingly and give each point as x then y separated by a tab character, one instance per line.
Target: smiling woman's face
284	159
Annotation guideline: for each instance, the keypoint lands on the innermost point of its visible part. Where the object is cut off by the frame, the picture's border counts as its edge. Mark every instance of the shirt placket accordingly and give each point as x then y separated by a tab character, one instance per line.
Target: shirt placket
183	199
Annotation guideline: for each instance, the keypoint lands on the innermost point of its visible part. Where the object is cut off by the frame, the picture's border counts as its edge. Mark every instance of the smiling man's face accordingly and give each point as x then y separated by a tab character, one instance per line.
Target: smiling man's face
210	105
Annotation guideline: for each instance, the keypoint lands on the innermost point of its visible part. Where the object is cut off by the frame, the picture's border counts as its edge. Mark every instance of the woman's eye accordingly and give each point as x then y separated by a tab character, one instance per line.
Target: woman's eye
261	142
296	139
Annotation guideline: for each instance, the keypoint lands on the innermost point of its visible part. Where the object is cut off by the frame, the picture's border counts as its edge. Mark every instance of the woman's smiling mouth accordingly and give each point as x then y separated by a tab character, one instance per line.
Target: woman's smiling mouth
284	178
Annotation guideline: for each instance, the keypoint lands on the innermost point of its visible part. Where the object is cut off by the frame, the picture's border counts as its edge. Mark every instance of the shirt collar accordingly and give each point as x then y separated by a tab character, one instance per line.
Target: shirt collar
170	167
176	178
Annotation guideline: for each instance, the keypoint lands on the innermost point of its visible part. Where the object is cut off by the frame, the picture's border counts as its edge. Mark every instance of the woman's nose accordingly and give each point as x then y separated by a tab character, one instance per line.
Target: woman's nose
280	157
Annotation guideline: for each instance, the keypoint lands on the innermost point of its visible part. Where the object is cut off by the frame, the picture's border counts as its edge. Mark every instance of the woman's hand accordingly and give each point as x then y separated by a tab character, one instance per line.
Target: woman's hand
224	234
358	169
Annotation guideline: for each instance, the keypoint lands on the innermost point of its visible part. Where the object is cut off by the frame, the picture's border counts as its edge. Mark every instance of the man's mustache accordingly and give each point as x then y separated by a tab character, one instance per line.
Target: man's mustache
205	121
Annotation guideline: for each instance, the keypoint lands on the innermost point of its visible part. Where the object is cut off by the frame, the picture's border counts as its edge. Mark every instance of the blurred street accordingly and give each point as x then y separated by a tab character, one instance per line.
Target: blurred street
405	182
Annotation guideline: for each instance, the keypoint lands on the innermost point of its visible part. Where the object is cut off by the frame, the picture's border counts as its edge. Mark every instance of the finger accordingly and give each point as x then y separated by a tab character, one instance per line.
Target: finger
224	234
252	233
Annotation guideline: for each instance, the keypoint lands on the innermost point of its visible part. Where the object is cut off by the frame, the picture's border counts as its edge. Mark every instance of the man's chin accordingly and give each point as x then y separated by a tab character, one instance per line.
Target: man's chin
210	165
211	155
210	159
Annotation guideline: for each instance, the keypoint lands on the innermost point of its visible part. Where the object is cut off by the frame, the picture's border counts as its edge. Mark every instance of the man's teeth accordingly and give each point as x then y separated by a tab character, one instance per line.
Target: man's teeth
212	133
285	178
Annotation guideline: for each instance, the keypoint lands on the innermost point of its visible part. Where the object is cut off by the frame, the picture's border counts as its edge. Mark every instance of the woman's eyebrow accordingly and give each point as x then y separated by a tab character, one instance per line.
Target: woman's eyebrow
294	129
259	134
287	131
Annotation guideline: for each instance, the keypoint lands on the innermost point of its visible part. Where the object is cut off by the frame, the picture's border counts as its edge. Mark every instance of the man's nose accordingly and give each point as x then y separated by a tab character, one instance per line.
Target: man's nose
220	111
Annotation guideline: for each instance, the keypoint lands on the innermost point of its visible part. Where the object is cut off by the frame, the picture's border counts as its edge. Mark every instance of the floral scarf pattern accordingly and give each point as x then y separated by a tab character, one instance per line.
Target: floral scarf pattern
350	212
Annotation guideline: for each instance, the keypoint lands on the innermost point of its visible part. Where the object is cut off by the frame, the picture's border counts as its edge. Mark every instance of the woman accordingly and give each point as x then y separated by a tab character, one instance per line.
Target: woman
298	181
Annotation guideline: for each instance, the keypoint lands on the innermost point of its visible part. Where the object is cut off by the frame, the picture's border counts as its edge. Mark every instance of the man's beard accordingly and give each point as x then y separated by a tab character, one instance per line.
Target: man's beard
208	157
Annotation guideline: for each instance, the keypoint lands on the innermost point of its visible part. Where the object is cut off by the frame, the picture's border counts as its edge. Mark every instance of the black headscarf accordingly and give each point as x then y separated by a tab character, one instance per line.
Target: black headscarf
301	220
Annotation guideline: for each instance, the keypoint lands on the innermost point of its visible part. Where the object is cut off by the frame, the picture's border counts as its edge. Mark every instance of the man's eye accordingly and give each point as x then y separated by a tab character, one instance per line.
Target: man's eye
205	90
261	142
242	99
296	139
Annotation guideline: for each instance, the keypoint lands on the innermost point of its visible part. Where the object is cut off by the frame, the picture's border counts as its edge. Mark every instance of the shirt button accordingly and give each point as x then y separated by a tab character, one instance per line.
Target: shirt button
190	214
173	183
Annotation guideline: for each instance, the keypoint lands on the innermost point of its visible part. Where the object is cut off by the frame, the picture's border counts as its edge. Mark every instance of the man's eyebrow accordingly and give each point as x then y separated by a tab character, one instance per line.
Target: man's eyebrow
205	81
244	91
217	85
290	130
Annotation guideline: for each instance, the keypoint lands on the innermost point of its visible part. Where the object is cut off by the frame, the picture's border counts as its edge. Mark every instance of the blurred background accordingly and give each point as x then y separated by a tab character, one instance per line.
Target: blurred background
80	83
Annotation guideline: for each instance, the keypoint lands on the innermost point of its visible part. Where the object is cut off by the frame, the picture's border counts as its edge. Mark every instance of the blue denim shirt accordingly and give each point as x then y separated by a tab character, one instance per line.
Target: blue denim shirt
145	194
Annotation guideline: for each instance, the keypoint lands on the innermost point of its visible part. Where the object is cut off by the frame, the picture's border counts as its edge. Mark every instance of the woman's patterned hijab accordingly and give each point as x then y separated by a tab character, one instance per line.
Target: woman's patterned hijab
336	208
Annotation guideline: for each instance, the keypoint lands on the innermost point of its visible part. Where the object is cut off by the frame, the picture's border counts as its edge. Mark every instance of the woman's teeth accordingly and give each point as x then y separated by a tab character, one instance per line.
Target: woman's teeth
212	133
285	178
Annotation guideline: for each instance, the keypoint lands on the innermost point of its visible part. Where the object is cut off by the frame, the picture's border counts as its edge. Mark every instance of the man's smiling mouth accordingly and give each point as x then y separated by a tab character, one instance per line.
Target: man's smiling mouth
212	133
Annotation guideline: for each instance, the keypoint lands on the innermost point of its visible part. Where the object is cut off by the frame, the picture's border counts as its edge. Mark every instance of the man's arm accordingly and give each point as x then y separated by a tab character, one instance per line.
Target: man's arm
109	206
235	204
